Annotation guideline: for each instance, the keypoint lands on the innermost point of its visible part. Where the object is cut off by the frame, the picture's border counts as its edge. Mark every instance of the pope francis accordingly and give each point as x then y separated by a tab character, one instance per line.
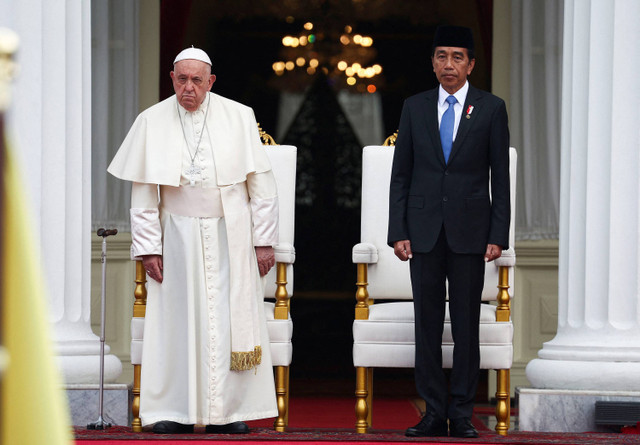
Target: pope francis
204	220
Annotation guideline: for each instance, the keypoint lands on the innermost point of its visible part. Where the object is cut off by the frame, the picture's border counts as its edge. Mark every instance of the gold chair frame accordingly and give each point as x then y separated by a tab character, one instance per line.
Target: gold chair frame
364	375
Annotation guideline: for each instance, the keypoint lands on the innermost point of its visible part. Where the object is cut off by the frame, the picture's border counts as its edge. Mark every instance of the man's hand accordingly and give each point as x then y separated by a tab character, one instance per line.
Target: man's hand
153	265
266	259
493	252
402	249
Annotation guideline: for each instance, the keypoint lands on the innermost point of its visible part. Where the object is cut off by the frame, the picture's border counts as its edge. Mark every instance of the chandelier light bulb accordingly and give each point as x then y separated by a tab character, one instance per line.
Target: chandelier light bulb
339	60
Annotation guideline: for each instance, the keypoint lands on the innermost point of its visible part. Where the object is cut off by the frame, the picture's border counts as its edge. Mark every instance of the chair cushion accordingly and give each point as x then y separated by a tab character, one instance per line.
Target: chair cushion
137	336
280	334
387	338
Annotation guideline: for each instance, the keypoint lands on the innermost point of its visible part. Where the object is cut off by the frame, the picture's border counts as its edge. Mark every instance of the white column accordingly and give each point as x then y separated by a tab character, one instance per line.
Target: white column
50	124
597	346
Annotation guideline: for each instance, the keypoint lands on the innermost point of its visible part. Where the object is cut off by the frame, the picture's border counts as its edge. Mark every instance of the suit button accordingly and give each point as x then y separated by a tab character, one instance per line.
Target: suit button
445	199
446	173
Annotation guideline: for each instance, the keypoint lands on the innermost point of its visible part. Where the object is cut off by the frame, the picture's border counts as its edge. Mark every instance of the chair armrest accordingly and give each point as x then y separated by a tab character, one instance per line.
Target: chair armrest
365	253
508	258
285	253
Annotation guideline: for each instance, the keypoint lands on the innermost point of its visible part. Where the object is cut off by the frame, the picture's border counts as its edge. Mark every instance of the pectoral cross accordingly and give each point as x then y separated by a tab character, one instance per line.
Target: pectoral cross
192	172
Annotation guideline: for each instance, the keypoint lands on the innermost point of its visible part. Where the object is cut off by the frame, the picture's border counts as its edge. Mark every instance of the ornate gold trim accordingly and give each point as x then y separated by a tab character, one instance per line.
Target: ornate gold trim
391	140
246	360
266	137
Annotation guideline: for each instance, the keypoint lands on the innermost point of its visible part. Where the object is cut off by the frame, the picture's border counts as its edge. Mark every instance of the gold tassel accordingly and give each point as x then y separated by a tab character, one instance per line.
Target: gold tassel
243	361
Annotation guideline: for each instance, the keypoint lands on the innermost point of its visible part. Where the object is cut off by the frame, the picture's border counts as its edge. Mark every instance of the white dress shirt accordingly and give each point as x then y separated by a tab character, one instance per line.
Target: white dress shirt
443	105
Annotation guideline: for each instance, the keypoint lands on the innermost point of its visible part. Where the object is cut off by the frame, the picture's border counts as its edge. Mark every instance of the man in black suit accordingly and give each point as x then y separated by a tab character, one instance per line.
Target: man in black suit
452	142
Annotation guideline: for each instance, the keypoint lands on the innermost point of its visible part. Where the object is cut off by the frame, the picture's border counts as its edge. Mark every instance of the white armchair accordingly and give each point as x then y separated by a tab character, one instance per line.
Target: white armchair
383	333
278	290
280	279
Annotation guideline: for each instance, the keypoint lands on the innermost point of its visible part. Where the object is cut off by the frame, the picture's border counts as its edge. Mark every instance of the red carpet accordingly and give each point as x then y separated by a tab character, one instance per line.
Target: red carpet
322	420
313	412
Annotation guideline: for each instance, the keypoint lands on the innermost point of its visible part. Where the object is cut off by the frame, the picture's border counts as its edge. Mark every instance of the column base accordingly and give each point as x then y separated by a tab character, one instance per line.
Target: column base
85	369
84	404
558	410
584	375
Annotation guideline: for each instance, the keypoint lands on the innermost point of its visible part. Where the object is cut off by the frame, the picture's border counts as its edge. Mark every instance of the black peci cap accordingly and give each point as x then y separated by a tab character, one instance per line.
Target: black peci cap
457	36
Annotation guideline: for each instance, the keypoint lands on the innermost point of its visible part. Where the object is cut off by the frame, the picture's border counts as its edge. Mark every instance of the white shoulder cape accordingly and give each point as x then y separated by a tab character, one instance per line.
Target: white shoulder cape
152	151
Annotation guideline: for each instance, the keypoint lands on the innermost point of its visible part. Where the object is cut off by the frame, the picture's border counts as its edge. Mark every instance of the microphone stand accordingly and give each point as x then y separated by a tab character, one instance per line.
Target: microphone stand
101	424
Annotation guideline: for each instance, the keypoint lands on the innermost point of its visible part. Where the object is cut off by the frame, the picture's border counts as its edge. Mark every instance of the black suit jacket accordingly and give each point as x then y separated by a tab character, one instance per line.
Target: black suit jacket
427	193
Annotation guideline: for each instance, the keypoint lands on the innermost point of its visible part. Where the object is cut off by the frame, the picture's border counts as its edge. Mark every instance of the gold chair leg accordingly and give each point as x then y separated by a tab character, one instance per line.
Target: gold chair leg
503	405
362	394
286	417
139	310
370	397
282	397
136	423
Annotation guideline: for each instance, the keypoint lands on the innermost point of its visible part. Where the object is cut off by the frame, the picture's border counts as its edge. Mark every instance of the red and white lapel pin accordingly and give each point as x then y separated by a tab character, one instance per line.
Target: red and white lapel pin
469	111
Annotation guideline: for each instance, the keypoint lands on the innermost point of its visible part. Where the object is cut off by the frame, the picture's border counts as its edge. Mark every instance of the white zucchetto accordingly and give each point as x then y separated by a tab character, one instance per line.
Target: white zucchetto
192	53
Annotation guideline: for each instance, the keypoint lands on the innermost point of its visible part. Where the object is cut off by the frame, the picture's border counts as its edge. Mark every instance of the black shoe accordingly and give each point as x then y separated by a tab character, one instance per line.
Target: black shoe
429	426
462	427
229	428
169	427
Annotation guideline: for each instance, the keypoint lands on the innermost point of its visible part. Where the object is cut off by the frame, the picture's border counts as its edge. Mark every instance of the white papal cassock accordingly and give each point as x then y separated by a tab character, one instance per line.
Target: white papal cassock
209	306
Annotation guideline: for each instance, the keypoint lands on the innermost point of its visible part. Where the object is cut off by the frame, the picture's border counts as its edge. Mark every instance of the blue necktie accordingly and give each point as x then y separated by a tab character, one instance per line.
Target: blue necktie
446	128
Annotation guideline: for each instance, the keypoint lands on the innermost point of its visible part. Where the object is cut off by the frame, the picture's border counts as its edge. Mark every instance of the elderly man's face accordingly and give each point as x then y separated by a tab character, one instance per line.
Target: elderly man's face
191	81
452	66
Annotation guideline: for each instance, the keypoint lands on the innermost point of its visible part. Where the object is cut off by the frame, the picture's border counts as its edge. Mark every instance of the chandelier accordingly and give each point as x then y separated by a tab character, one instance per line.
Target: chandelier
345	58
